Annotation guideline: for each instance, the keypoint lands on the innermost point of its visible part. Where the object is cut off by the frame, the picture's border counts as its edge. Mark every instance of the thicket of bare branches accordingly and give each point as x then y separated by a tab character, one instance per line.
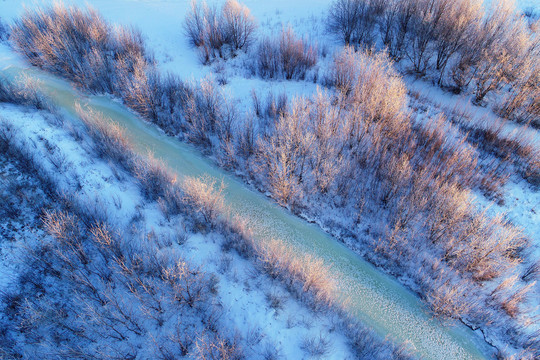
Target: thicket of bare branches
208	112
80	45
121	292
354	20
466	46
204	196
23	93
285	56
368	80
522	102
219	32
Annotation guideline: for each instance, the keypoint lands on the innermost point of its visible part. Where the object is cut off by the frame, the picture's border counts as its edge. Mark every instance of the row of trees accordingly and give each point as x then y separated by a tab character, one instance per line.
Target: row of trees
467	45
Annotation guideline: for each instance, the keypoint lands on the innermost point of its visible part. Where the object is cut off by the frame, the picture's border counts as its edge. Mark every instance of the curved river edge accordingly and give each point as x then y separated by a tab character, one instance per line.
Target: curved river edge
374	298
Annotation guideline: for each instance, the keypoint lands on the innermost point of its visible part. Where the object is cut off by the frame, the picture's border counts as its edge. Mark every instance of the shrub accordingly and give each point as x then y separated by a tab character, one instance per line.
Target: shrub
496	52
316	346
395	25
208	111
287	56
194	23
156	179
211	30
205	197
268	61
369	81
80	45
212	347
296	56
109	139
24	92
522	103
342	71
239	25
457	23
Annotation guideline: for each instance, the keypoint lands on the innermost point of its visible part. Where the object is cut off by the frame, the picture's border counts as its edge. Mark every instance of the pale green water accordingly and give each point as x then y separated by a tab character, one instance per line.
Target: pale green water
375	298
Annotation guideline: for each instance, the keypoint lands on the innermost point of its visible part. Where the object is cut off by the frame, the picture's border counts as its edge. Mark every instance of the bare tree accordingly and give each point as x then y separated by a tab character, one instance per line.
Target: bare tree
354	20
239	25
451	36
425	21
194	23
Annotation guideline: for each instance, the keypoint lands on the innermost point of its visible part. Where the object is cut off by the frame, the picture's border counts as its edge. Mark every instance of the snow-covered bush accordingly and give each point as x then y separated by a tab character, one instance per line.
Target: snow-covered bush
457	24
154	176
268	64
522	102
208	111
286	56
219	32
239	26
195	23
212	347
109	139
205	197
316	346
501	43
394	25
80	45
369	81
158	97
23	93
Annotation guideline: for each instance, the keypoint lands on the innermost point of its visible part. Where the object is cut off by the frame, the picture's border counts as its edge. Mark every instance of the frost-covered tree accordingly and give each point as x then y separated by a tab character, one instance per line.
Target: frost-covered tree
354	21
